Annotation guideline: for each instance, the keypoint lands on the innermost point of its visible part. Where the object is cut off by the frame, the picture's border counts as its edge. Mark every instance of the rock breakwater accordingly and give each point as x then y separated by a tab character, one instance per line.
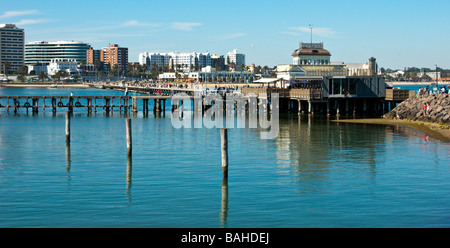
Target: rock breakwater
430	108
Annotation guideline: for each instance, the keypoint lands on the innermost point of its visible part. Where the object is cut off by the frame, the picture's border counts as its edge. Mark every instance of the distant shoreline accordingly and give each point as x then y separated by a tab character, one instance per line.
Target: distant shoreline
431	129
418	83
44	85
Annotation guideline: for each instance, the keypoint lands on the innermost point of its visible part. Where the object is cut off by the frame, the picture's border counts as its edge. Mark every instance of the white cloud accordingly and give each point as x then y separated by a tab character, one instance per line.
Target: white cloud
185	26
232	36
9	14
140	24
30	21
323	32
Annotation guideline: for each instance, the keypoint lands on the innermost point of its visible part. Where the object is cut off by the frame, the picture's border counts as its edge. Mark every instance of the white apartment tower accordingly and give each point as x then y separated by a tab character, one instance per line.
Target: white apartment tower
236	58
183	61
11	48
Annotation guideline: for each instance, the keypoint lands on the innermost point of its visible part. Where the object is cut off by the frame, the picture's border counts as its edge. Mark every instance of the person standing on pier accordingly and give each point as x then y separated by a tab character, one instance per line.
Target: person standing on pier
126	91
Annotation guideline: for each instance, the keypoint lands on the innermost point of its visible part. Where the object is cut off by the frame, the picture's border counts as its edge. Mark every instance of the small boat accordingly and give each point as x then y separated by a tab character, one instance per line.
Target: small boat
53	86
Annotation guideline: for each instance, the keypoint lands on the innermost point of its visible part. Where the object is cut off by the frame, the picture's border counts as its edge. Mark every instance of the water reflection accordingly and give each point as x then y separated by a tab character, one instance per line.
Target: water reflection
224	205
312	147
68	157
128	175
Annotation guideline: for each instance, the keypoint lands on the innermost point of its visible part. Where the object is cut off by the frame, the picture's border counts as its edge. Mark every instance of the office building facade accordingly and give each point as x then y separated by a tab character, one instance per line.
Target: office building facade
42	52
12	43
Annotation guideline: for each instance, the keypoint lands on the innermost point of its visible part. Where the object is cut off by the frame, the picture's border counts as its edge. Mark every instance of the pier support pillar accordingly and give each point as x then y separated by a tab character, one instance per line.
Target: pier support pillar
125	103
70	104
337	108
89	104
328	108
68	126
224	149
129	139
346	106
310	108
107	104
34	103
157	107
134	104
54	104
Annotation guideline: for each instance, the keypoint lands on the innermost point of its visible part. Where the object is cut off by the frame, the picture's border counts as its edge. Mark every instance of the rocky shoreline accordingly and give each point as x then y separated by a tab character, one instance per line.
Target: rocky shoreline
414	108
434	122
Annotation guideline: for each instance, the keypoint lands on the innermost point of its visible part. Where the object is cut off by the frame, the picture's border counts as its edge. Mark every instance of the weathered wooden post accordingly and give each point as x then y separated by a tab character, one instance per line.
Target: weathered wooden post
134	104
129	140
67	126
53	104
328	107
89	103
224	148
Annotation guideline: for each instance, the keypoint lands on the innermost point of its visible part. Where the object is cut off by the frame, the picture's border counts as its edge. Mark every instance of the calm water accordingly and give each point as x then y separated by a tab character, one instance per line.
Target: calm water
315	174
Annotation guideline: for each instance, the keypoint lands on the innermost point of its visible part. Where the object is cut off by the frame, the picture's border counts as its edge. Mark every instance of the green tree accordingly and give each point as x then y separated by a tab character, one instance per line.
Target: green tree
42	76
101	74
22	78
76	78
63	74
23	70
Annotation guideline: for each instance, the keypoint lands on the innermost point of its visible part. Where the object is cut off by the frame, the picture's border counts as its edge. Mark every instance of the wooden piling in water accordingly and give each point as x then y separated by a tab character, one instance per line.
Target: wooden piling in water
67	126
129	140
224	148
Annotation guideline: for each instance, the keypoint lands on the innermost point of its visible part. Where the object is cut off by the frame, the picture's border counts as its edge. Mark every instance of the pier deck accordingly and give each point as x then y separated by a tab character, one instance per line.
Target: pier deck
91	103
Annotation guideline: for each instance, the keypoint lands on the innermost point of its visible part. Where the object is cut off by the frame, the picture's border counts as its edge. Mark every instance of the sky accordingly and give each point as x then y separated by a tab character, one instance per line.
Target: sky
397	33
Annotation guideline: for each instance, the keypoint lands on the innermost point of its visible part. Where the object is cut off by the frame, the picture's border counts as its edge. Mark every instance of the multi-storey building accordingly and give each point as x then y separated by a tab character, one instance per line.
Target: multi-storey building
42	52
236	58
11	48
176	60
218	61
92	55
56	65
115	55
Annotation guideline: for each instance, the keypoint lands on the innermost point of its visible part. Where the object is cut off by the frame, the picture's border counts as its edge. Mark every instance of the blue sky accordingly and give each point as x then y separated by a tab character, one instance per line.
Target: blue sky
397	33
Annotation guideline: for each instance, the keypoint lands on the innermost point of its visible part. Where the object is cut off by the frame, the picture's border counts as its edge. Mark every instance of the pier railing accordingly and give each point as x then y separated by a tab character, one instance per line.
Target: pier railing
284	93
306	94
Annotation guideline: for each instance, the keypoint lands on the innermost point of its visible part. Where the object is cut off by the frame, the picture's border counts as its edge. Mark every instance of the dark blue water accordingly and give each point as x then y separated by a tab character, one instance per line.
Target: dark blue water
315	174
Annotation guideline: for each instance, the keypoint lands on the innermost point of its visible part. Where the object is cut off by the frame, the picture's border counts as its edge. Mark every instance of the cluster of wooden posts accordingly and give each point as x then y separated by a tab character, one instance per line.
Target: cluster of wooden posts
128	131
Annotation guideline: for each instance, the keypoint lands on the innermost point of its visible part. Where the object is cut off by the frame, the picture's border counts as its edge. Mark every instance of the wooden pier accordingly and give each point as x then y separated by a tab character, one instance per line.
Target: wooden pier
89	103
313	101
310	101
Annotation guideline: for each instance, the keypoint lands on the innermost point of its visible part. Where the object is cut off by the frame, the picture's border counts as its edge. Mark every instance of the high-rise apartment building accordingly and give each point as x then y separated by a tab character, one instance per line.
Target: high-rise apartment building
236	58
115	55
42	52
92	55
183	61
11	48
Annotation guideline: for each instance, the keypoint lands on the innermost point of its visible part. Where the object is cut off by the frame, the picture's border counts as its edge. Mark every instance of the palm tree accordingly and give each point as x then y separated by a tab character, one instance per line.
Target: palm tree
100	74
6	68
42	76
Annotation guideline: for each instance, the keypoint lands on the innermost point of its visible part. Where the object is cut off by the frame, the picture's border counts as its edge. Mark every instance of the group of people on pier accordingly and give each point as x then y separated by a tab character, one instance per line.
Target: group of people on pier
426	90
